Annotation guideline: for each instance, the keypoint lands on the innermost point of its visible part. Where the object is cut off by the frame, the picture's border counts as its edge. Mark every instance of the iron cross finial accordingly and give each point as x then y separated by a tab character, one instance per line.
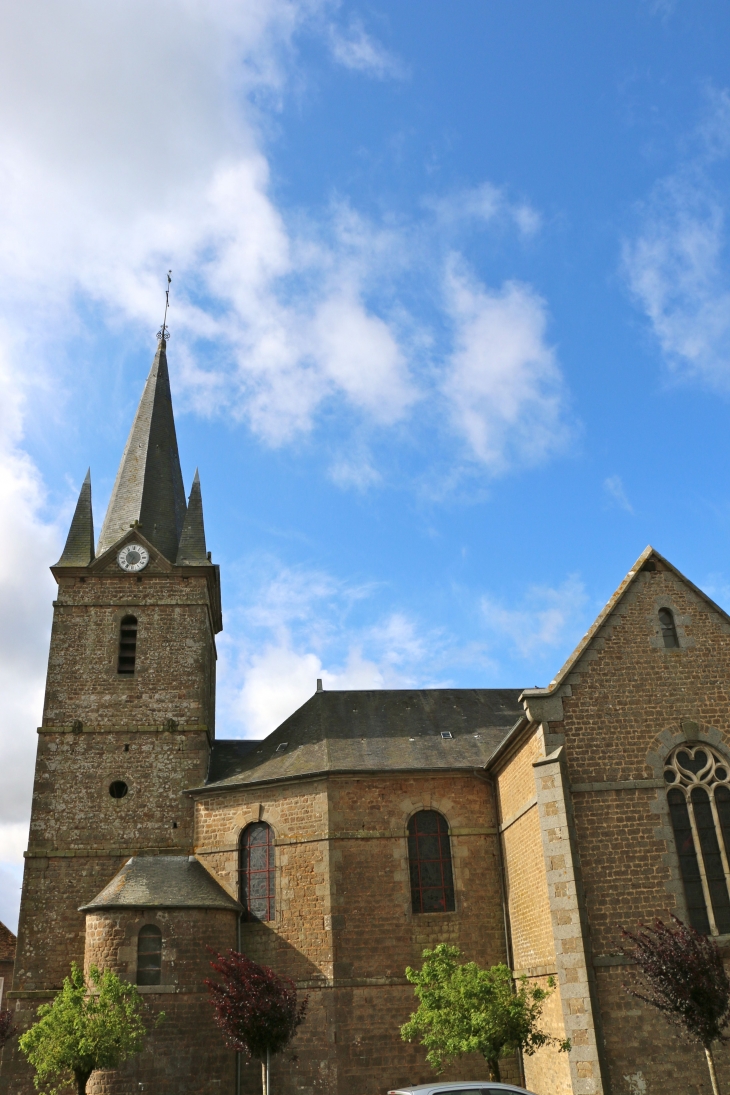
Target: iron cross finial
163	332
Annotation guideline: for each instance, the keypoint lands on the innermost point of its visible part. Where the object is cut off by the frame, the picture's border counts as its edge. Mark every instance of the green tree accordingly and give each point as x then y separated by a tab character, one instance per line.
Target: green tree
88	1026
466	1009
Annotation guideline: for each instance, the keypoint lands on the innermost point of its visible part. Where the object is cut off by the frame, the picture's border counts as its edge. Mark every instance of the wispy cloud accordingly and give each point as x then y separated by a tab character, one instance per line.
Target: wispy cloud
506	392
677	265
544	620
614	488
354	48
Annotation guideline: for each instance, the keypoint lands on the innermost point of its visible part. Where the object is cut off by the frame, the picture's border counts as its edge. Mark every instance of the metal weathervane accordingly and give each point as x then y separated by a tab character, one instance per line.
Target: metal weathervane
163	331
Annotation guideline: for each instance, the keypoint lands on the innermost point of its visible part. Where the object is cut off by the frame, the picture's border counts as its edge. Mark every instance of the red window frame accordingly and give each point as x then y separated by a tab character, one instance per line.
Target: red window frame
429	862
261	879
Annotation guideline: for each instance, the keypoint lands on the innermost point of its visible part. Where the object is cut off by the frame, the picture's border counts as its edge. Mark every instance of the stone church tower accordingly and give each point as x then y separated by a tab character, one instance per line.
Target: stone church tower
128	719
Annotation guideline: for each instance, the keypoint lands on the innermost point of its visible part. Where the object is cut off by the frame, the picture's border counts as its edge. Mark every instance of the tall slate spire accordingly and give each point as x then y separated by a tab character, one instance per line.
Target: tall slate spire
149	485
79	550
192	541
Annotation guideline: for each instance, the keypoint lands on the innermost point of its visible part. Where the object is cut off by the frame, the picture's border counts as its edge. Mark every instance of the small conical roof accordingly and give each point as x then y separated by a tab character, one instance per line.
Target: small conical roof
149	486
192	541
79	549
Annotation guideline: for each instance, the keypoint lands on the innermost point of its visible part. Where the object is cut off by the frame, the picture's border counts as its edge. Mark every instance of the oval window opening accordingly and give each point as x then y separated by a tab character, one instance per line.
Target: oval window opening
118	788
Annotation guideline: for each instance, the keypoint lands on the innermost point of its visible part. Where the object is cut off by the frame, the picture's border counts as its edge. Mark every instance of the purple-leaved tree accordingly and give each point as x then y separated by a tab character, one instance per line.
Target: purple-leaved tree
256	1009
683	976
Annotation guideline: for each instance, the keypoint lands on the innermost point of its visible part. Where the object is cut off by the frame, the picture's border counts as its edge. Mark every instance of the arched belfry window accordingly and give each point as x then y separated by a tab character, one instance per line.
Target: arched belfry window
149	955
257	873
127	646
699	805
429	862
669	629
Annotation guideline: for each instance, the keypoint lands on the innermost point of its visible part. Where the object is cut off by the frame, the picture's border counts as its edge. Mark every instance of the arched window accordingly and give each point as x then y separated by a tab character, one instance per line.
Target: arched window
149	955
429	860
127	646
699	805
669	631
257	874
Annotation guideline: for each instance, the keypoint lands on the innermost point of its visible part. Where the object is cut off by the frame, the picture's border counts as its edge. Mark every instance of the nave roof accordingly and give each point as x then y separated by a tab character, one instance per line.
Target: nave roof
373	731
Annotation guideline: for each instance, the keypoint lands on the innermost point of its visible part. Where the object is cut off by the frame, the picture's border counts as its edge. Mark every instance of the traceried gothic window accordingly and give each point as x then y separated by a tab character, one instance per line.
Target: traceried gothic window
127	646
669	629
149	955
429	861
257	872
699	805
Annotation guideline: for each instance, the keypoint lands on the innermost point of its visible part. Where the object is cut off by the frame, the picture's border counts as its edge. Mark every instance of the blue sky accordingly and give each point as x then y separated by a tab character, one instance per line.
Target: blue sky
450	323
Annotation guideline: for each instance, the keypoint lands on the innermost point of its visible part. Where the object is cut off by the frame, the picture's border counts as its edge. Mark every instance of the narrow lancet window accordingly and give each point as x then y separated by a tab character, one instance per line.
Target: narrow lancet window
257	872
127	646
699	807
149	955
429	862
669	630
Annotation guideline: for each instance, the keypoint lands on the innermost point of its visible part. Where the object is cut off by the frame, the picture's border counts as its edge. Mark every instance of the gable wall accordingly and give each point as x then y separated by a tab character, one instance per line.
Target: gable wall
631	700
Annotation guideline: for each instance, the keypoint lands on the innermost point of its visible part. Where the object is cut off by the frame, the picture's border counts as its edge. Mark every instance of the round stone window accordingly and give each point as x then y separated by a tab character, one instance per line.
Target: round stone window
118	788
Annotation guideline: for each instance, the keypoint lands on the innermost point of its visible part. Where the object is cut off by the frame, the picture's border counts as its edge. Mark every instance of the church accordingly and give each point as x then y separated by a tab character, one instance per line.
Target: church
524	826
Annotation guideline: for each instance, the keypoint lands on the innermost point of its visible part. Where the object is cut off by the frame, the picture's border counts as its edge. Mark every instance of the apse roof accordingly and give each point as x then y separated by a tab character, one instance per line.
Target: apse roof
163	882
373	731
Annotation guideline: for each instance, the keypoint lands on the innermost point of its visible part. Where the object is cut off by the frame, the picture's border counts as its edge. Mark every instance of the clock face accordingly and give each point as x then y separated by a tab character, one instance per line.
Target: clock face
133	557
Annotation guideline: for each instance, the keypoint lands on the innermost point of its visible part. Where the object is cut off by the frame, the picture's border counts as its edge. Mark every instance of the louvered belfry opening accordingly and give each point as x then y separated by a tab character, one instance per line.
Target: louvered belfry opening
127	646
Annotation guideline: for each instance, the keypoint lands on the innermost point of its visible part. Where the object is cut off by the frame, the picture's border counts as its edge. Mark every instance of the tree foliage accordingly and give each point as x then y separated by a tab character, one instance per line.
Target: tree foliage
88	1026
466	1009
683	976
7	1029
256	1009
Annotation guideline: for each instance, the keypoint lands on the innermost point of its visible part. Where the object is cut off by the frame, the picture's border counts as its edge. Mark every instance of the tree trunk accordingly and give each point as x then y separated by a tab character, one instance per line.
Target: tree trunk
493	1066
268	1073
713	1073
263	1078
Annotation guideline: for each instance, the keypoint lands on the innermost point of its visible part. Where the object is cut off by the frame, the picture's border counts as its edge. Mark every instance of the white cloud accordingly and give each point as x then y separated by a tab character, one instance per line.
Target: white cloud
356	49
26	592
615	490
677	267
503	381
544	620
486	203
303	625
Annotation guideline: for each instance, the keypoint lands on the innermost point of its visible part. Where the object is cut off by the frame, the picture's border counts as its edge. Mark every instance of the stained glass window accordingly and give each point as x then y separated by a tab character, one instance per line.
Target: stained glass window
257	872
699	806
429	860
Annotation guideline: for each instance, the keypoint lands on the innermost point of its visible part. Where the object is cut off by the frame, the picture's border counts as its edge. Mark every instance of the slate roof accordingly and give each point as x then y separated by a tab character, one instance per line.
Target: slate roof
371	731
7	944
149	485
79	549
192	538
163	882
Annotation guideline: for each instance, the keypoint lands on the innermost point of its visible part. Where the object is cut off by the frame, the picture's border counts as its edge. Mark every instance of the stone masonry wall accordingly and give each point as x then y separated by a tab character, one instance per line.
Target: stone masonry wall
344	928
186	1054
547	1072
627	703
175	673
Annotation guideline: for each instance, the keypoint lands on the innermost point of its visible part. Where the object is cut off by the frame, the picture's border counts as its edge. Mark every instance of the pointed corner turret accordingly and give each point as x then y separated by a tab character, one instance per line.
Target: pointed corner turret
192	551
79	549
149	488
